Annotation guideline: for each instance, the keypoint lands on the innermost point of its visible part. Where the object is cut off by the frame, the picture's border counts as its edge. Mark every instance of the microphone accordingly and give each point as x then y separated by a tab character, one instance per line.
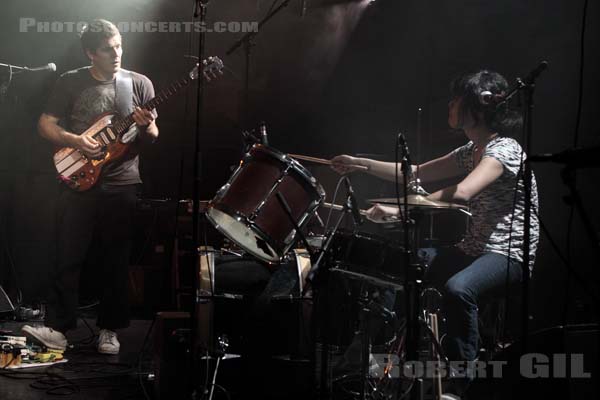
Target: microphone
264	140
536	72
488	98
351	202
47	67
406	155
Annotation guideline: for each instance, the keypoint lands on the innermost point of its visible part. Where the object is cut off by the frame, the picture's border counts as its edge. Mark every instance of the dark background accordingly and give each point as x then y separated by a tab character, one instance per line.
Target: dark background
344	78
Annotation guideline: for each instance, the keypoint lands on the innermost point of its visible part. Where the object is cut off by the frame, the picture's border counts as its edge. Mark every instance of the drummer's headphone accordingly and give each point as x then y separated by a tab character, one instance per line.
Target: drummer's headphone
488	98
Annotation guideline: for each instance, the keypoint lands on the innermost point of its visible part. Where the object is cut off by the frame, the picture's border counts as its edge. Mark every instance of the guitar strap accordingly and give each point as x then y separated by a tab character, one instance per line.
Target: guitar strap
124	101
124	93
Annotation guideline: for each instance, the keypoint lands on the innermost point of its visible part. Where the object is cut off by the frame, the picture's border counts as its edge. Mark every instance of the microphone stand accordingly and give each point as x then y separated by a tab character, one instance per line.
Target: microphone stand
198	301
320	318
412	281
246	40
527	87
15	69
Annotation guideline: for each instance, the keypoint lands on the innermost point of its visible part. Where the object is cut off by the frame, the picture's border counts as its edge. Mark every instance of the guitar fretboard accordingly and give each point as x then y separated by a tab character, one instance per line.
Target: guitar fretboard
122	124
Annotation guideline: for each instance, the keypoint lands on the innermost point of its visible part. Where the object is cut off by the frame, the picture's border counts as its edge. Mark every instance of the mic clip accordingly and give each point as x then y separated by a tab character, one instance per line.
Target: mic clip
351	203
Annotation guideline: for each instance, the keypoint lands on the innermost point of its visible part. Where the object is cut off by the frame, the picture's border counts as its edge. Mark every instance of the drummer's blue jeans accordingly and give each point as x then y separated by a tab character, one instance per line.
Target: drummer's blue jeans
465	281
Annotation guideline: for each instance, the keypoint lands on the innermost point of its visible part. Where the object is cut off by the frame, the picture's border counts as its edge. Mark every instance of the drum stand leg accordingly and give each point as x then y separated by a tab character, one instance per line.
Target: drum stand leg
365	312
214	378
370	307
223	344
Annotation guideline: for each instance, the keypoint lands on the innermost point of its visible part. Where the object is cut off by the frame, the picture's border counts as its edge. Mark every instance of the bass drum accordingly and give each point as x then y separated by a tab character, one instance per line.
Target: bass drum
257	306
248	211
228	274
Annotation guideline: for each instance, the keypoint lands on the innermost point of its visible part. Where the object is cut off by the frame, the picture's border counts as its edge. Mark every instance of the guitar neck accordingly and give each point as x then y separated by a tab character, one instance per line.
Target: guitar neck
122	124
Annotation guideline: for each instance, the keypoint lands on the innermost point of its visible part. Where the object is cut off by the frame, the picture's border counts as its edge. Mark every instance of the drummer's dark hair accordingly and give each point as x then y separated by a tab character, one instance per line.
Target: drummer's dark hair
505	121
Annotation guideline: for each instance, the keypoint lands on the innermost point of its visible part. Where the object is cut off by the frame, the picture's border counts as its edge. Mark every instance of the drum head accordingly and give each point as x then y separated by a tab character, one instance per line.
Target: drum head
241	233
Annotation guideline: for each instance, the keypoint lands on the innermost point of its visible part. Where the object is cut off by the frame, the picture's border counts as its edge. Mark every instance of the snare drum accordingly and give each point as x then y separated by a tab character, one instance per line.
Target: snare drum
247	209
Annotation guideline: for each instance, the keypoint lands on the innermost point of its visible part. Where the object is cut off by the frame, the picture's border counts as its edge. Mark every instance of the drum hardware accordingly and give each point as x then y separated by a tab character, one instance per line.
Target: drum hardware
246	210
284	205
370	307
322	300
351	200
346	208
412	280
297	231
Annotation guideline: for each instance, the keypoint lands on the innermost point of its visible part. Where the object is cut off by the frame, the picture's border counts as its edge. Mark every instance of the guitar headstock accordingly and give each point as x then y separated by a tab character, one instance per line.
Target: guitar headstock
210	68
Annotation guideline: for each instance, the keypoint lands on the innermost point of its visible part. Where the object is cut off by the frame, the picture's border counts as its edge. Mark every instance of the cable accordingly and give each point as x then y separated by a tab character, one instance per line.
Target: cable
566	263
565	311
337	188
6	85
272	7
88	340
396	178
581	69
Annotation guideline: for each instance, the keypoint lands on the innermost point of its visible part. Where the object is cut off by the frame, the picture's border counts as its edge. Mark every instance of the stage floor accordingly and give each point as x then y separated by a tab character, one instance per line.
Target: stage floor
87	375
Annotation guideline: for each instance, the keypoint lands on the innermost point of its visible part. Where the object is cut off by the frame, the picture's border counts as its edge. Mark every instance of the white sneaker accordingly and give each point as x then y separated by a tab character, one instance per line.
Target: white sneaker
49	337
108	342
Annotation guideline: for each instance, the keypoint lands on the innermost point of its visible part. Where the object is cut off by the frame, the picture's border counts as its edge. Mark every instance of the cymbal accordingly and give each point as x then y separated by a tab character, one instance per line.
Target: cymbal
420	201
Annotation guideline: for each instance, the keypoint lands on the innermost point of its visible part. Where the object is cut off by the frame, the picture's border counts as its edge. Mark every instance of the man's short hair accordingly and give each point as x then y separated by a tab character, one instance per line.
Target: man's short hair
95	32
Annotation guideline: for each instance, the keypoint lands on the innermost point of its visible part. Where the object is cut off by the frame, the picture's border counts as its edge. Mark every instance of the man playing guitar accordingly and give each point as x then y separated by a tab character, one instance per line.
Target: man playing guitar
101	216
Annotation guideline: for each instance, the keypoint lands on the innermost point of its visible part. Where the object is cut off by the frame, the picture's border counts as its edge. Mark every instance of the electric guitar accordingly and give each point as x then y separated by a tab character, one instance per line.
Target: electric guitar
81	172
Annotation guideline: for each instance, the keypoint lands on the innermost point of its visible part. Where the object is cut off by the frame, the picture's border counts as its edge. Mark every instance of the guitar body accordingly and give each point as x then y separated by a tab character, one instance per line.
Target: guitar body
80	172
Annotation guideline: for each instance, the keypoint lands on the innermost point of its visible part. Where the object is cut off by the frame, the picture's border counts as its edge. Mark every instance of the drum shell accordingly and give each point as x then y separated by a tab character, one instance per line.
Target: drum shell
255	306
367	254
250	197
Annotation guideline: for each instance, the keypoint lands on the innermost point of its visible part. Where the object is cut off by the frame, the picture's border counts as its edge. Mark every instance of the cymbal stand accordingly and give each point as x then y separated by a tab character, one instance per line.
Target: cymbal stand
369	307
317	280
412	283
221	354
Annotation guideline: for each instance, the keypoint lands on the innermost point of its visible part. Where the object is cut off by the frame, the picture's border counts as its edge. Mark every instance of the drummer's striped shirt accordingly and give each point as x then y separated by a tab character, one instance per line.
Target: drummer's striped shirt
490	226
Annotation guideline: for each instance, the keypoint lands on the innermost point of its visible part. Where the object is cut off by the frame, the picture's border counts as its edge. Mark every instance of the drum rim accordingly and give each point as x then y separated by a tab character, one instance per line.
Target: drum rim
284	158
248	223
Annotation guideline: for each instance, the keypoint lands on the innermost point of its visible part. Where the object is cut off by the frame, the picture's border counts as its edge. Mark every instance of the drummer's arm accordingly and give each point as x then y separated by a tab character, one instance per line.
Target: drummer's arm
438	169
487	171
444	167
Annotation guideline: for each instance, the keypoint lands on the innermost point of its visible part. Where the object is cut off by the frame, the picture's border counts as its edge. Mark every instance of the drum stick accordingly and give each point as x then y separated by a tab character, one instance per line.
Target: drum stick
326	162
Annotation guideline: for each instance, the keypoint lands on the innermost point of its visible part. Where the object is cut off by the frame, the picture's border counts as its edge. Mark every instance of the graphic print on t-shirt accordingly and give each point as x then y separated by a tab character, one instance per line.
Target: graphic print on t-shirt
92	102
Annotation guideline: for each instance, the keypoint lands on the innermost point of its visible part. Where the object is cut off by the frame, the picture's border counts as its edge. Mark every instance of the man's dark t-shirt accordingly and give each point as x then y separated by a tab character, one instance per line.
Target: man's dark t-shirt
78	99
